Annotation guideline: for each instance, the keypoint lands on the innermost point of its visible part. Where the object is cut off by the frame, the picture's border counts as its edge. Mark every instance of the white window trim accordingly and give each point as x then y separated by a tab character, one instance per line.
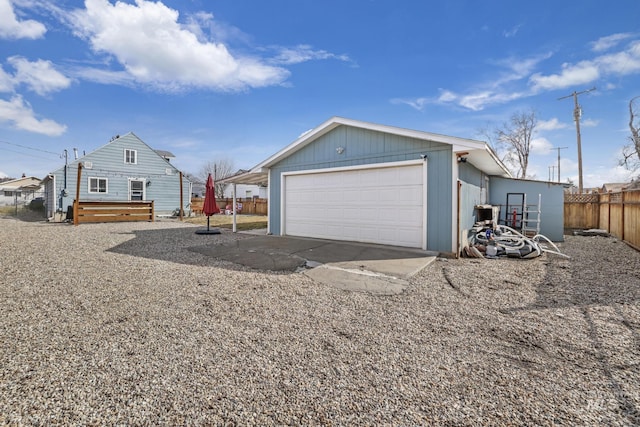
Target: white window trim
135	155
106	180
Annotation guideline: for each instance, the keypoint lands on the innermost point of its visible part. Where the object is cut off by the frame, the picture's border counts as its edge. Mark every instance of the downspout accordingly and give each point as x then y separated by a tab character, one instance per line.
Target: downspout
269	202
458	222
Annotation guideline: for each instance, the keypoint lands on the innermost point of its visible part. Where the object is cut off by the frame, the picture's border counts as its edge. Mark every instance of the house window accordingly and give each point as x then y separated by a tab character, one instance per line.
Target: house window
247	194
98	185
130	156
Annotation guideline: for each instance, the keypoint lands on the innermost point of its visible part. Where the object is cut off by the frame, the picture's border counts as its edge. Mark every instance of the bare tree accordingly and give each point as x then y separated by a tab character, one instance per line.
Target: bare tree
631	152
514	139
218	169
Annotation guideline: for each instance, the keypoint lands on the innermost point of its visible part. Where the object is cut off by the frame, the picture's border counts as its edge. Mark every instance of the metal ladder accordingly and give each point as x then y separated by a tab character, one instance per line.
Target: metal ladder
531	217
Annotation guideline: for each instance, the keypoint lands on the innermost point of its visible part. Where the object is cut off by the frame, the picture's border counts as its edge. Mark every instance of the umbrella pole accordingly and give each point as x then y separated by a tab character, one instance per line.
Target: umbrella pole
208	222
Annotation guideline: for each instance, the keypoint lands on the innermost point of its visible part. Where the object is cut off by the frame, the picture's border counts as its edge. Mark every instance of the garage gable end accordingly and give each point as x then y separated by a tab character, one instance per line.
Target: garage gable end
345	143
352	147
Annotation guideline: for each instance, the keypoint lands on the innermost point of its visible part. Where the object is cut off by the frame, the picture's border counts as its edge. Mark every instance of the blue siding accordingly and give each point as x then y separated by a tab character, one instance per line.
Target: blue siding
362	147
472	193
552	206
162	182
469	198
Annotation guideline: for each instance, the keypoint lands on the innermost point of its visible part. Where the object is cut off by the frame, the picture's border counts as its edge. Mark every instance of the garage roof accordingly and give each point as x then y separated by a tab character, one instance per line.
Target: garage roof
477	153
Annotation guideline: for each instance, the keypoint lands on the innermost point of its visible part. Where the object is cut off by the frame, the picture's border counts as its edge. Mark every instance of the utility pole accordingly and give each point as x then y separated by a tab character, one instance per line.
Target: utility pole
577	112
559	148
552	172
63	193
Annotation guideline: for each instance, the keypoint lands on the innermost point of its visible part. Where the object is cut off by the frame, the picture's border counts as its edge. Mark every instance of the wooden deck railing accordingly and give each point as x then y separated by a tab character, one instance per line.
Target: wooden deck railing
85	212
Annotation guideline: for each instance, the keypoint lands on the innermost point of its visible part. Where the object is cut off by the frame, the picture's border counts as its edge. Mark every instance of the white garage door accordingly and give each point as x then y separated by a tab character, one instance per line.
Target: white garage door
382	205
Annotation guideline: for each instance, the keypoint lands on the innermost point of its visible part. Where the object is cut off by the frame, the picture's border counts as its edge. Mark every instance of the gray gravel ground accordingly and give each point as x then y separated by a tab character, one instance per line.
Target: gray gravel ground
105	324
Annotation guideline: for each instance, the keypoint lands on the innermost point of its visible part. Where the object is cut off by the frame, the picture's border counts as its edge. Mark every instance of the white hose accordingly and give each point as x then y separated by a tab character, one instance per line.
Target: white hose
514	240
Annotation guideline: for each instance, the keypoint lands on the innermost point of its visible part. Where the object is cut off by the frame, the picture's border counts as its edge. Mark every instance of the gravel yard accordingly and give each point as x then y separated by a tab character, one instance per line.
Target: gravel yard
108	324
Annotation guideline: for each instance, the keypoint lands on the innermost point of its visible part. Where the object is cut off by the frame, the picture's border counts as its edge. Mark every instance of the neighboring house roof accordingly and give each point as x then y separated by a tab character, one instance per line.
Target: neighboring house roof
633	185
29	182
165	154
477	153
614	187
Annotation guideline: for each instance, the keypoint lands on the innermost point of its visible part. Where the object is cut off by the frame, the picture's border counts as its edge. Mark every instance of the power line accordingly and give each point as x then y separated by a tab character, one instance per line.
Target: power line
29	148
33	156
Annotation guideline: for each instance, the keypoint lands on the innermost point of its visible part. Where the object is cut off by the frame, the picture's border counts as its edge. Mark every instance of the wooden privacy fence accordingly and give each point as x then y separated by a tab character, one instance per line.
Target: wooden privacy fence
252	206
618	213
581	211
84	212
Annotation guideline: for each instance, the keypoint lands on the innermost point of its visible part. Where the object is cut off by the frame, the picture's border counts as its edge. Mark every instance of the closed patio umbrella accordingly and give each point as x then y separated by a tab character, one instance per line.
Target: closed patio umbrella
210	207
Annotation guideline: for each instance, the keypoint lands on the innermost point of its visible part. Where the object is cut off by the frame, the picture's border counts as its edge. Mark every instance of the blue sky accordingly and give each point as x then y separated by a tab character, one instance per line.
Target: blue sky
214	79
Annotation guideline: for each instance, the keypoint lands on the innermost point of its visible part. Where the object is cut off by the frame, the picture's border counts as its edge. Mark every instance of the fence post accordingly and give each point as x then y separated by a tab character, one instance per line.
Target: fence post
609	215
622	208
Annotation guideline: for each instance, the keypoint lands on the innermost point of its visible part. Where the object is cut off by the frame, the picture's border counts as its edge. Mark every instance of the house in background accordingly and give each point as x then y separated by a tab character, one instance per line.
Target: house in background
22	190
246	191
243	191
125	169
357	181
615	187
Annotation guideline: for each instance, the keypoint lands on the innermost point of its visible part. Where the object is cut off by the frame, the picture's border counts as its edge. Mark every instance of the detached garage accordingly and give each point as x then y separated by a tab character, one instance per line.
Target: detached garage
357	181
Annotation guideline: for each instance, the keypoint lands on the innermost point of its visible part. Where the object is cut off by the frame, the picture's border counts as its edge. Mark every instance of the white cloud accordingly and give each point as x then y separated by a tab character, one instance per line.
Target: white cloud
154	49
6	81
590	123
600	176
551	124
475	101
512	32
303	53
504	88
104	76
571	75
480	100
621	63
519	68
20	115
614	64
12	28
607	42
39	76
417	103
497	91
447	96
540	146
197	21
